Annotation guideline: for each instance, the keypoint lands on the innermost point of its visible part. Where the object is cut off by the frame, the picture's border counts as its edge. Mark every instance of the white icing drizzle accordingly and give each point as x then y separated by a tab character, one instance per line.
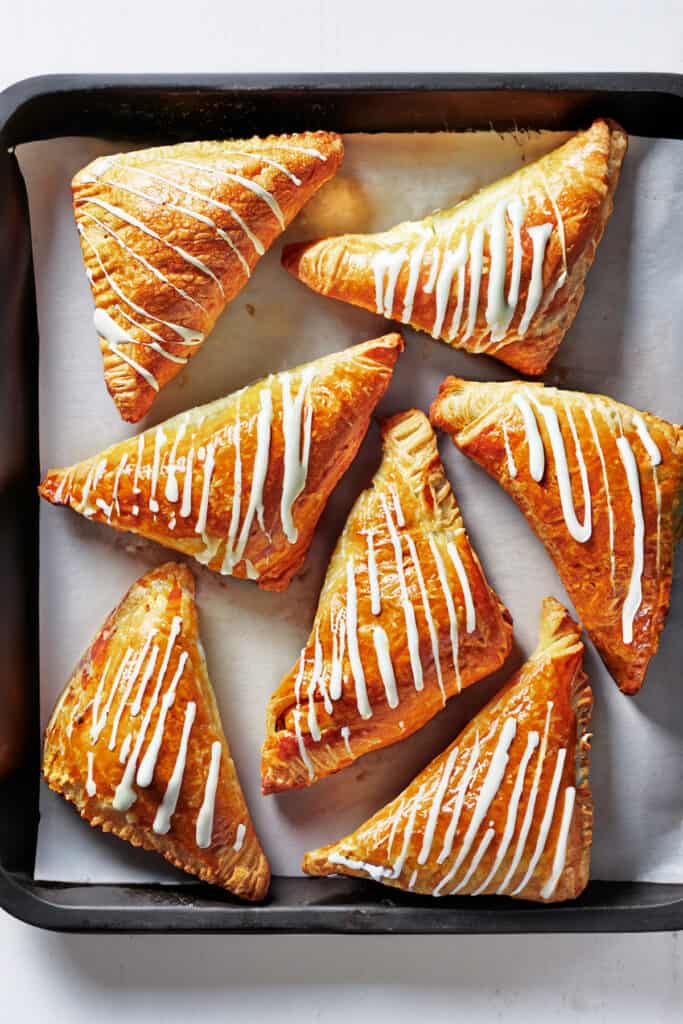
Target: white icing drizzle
539	235
533	438
313	727
100	722
147	675
561	847
186	504
375	872
362	702
154	271
373	579
386	669
303	753
634	595
476	266
387	265
499	311
147	766
114	336
159	442
209	466
415	266
307	151
117	479
458	802
489	788
296	449
125	748
529	813
255	506
131	677
451	262
470	613
187	212
128	218
431	626
399	863
97	698
338	630
658	502
171	492
156	345
546	821
433	271
563	241
647	440
412	634
188	335
435	807
450	607
90	787
413	879
400	518
476	860
605	484
252	186
138	464
532	741
204	828
239	837
512	466
345	734
229	557
166	809
398	814
581	532
203	198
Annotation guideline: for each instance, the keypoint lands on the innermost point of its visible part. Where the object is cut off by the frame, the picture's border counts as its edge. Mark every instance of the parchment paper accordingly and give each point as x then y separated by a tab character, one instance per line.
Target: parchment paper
625	342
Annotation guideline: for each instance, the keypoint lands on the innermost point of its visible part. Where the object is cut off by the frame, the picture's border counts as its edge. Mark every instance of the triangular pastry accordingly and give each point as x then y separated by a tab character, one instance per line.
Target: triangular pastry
600	483
406	619
506	809
136	743
502	272
240	483
170	236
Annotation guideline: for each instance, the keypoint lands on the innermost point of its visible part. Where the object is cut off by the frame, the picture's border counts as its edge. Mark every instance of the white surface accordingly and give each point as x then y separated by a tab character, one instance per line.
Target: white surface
623	342
599	978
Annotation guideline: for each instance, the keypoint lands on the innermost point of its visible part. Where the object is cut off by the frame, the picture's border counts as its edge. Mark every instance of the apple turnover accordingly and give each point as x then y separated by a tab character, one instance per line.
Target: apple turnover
600	483
502	272
240	483
405	620
506	809
170	236
136	743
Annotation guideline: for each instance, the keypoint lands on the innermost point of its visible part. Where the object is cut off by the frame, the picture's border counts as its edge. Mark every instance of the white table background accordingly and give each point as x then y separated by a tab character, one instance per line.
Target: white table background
283	978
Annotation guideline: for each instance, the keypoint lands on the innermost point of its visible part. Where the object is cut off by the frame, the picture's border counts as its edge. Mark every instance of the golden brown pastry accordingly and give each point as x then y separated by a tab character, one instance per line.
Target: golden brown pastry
170	236
600	483
240	483
405	620
502	272
506	809
136	743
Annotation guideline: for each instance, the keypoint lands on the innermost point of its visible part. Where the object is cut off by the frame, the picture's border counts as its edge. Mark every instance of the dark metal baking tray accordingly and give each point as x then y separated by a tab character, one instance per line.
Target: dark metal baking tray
167	108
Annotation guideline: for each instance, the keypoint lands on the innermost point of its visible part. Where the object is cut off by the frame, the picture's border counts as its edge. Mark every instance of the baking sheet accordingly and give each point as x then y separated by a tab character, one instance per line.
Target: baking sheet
625	342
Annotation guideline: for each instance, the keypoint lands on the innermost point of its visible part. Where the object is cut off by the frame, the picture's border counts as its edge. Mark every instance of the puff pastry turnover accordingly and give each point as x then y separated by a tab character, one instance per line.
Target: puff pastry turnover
240	483
170	236
600	483
405	620
502	272
506	809
136	743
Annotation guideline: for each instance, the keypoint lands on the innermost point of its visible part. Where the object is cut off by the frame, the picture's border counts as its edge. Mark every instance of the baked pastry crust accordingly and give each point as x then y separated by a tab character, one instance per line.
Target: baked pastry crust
405	620
170	235
140	704
601	485
506	809
502	272
240	483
